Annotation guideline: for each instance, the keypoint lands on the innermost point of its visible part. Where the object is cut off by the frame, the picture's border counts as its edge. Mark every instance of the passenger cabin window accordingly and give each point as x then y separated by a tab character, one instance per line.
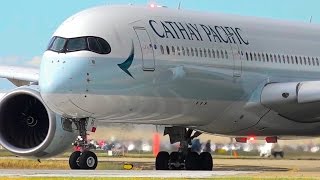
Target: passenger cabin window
173	50
161	49
309	61
313	62
168	50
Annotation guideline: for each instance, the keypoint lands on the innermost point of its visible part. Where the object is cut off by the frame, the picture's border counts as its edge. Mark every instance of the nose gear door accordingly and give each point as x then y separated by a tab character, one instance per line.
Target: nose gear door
147	53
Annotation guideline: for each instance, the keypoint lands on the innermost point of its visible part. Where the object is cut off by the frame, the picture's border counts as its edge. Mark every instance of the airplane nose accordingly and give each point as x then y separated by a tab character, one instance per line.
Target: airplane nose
53	79
53	82
62	81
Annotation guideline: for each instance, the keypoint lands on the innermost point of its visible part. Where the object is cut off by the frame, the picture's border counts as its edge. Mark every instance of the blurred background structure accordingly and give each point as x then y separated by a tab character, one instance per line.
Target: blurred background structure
126	138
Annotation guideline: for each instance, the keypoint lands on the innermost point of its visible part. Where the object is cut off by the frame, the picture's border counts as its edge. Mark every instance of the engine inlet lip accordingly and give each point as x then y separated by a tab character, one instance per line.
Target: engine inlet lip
34	92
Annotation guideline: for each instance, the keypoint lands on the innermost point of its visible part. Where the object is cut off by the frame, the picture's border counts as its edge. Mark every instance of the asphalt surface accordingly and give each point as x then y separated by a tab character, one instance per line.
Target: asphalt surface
265	167
119	173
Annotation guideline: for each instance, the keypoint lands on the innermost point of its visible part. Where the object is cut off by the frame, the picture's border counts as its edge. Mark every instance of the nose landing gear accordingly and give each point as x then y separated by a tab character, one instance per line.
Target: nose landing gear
184	159
83	158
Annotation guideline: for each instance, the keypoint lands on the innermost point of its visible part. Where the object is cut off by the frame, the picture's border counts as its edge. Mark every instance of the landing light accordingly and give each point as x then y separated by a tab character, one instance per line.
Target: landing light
152	5
252	138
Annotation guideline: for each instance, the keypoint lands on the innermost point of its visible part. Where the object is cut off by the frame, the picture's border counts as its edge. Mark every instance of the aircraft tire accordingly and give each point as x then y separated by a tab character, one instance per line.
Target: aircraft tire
162	161
74	160
192	161
206	161
88	160
174	157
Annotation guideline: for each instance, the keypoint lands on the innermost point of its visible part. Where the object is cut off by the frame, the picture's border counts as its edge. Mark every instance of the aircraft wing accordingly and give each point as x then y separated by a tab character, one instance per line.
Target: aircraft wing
298	101
20	76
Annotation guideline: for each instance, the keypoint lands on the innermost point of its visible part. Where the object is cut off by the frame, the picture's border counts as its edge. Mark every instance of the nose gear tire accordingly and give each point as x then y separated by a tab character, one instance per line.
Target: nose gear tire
74	160
88	160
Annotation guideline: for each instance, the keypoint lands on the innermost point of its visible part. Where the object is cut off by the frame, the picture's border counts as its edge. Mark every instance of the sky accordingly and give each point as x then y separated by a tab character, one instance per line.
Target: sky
26	26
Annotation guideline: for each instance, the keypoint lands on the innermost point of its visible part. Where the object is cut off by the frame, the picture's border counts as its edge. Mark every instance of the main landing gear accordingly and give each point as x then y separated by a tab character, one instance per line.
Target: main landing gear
84	158
184	159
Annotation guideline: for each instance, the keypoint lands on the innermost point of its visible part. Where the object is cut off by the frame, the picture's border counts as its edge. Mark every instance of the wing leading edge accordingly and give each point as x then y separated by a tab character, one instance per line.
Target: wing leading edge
20	76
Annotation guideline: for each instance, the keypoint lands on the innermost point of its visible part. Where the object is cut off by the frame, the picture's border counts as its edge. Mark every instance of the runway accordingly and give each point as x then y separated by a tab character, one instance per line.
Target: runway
143	168
119	173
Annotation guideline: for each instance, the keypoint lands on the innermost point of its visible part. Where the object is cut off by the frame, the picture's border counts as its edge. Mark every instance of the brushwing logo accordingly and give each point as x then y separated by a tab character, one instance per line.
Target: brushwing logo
126	64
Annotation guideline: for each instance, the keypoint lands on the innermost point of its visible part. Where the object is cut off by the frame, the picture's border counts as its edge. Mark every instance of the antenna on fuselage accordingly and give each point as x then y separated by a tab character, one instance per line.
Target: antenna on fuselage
179	6
310	21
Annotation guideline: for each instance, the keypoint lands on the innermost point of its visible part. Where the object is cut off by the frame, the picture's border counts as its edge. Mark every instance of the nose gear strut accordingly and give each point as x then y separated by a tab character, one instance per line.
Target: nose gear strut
82	158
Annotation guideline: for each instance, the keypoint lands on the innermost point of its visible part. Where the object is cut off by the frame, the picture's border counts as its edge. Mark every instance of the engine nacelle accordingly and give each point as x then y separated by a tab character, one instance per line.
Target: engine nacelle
29	128
298	101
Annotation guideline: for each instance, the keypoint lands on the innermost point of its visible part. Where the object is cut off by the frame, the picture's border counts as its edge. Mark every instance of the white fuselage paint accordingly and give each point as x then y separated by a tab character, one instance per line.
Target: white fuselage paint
214	94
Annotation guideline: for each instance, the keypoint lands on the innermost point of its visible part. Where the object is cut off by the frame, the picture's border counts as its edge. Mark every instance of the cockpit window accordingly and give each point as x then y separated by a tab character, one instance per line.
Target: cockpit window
51	41
76	44
105	47
93	44
58	44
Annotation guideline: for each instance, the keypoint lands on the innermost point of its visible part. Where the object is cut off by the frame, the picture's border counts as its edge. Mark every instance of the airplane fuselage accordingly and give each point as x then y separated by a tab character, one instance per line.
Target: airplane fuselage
181	68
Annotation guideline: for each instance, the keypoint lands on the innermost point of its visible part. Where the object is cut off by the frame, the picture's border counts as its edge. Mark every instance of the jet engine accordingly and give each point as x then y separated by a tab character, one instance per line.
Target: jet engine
29	128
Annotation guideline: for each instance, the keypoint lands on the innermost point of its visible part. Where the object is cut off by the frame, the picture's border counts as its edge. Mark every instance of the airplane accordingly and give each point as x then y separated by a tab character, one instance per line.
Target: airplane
189	71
